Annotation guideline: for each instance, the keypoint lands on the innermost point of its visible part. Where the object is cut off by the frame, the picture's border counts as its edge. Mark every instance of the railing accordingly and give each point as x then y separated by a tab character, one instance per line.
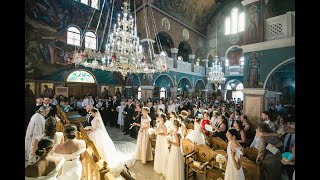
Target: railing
199	69
169	62
282	26
183	66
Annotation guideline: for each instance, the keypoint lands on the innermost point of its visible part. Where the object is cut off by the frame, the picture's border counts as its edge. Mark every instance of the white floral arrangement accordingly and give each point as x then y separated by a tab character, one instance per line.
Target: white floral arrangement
221	159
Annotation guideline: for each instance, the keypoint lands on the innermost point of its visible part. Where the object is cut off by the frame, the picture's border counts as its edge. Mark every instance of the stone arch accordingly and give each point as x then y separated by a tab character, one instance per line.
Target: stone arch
288	61
199	84
133	80
233	83
187	80
184	50
166	43
159	78
233	54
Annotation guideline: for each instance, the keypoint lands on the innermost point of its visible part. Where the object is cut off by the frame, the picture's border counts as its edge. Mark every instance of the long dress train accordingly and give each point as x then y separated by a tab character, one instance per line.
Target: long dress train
106	148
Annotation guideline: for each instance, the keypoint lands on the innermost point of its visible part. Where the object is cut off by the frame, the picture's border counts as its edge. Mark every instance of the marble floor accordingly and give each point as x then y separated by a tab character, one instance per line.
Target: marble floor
139	171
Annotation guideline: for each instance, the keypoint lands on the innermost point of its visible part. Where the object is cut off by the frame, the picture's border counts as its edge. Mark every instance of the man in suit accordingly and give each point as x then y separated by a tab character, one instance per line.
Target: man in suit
194	113
114	113
266	119
89	117
128	118
53	110
137	119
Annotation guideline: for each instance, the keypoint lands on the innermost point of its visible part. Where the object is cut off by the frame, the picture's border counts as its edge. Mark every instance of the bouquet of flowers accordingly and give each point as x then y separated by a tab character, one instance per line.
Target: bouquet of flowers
221	159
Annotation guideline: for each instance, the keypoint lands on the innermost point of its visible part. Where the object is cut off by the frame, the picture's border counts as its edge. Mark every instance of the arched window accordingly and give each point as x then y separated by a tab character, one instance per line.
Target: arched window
80	76
229	87
162	93
227	26
234	23
242	61
73	36
234	20
90	40
241	22
239	87
86	2
139	93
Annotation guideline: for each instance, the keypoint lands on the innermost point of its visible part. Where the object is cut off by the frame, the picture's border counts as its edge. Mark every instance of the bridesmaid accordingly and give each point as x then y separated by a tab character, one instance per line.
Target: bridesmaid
161	150
175	164
144	149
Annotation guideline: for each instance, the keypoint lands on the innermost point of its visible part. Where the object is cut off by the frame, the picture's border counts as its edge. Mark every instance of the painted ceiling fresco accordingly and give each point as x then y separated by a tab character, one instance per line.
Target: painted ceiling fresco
195	13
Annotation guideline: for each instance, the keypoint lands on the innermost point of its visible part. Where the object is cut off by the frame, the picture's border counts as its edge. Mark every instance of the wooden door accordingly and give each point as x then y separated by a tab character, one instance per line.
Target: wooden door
81	89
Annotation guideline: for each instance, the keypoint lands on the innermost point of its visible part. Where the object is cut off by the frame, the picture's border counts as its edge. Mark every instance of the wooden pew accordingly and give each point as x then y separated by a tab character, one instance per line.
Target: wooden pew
251	153
218	143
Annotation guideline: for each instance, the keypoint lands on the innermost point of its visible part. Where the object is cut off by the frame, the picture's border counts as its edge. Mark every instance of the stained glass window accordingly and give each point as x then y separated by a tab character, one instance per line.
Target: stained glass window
90	40
80	76
73	36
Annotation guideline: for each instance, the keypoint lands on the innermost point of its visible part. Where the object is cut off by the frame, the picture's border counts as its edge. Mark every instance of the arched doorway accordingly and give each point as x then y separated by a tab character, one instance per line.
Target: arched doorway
162	81
80	83
166	43
199	86
233	90
184	50
184	85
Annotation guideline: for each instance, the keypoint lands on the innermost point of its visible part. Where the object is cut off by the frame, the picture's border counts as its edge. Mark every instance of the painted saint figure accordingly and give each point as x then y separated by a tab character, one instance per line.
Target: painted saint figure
52	45
253	73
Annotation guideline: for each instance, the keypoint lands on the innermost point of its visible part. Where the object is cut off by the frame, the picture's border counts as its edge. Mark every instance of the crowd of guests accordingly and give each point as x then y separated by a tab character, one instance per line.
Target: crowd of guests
170	119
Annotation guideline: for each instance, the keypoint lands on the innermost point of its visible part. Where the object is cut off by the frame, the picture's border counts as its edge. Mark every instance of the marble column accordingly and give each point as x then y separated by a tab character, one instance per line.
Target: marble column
253	104
173	92
146	45
174	55
191	60
128	91
207	67
146	92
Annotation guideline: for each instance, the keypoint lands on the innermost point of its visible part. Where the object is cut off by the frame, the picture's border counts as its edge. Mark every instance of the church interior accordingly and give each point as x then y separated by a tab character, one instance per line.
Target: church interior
160	89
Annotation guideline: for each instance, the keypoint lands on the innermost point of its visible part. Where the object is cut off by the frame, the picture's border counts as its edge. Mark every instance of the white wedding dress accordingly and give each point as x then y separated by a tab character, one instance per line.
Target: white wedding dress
196	135
116	159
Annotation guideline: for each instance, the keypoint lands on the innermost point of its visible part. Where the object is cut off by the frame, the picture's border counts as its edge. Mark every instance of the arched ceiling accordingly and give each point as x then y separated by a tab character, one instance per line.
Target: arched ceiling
195	13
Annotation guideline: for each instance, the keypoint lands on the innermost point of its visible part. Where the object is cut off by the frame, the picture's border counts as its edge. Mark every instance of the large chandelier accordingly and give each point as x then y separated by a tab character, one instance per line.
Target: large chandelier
216	76
123	52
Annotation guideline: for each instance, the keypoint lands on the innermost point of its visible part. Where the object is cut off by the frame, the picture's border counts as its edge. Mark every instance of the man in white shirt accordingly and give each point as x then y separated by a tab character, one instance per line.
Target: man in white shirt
214	119
265	119
171	107
87	101
176	104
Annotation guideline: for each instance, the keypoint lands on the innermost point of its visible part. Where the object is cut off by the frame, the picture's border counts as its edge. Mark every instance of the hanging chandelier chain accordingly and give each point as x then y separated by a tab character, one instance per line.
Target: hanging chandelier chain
100	16
86	28
155	29
105	26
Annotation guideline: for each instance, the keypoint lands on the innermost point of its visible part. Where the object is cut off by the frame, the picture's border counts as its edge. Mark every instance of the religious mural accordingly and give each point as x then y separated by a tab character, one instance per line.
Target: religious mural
253	71
46	24
193	12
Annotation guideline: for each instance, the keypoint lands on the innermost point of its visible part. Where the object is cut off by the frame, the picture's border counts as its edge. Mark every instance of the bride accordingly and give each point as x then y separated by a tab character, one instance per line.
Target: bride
105	146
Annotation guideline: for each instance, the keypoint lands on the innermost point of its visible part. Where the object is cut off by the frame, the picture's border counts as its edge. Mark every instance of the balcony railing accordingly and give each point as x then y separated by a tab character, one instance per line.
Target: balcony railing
282	26
185	67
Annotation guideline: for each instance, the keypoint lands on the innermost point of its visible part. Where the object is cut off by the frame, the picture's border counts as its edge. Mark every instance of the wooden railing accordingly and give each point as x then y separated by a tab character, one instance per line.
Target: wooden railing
93	167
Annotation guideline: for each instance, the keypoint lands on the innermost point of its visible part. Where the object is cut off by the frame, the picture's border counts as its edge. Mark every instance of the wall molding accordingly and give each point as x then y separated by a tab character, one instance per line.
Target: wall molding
273	44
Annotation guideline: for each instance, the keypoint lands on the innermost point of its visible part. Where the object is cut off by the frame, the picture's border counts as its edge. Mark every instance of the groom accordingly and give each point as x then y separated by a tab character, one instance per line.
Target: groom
128	119
89	117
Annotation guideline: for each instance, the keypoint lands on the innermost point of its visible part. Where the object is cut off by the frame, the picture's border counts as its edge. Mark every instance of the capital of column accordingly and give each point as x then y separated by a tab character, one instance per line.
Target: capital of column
254	91
246	2
192	56
147	40
174	50
147	87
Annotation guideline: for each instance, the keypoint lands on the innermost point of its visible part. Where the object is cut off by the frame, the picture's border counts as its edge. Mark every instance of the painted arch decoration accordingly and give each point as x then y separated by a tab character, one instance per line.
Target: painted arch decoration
81	76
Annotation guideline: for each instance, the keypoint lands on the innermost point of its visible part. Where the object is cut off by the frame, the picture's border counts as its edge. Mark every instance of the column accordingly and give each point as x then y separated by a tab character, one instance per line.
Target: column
128	91
207	67
191	92
146	92
173	92
174	55
254	31
191	60
253	104
146	45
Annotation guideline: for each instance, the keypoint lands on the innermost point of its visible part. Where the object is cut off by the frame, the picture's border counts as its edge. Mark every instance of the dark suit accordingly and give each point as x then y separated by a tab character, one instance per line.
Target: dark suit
137	119
89	118
53	110
194	114
128	118
152	115
114	114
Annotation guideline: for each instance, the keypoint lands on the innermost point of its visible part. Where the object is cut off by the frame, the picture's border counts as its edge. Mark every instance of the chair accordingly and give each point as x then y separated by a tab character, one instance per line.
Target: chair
188	151
251	153
215	174
218	143
203	158
250	169
215	163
